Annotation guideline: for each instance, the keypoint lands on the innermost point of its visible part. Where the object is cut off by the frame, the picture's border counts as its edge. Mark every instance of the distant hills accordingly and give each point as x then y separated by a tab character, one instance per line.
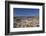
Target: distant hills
26	16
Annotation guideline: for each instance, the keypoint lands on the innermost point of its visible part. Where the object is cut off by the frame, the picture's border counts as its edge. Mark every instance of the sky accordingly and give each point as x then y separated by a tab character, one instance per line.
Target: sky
25	12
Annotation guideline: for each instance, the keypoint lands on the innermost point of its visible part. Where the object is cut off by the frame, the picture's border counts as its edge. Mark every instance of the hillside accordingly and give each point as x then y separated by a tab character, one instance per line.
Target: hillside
26	21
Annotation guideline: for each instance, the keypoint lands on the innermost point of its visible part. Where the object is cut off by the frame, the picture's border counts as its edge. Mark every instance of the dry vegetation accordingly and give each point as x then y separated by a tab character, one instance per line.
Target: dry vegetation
26	21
